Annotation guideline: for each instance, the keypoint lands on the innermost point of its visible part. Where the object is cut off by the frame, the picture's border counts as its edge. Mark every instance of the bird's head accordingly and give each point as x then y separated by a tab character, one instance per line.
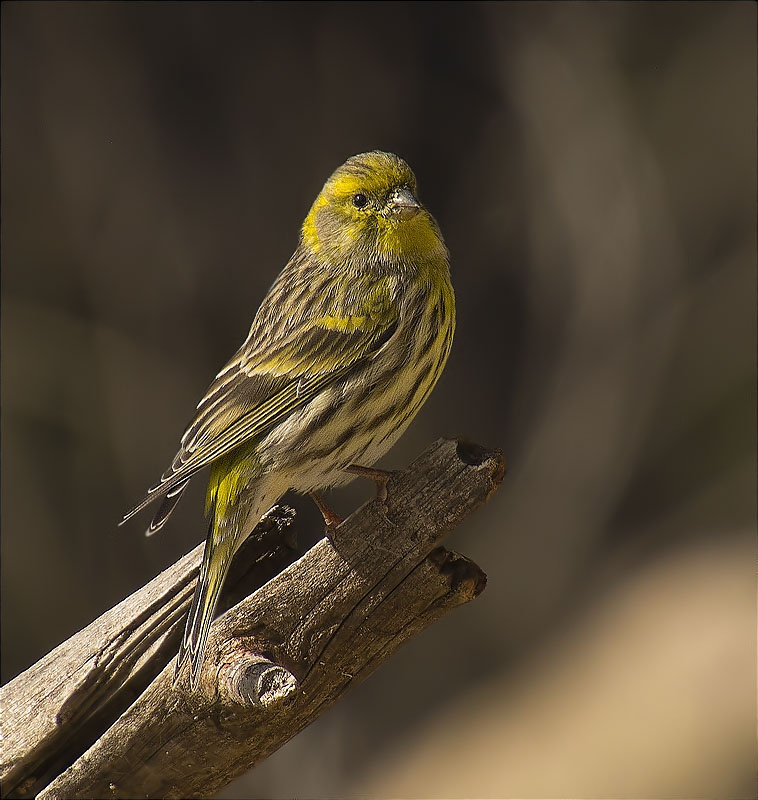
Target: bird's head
369	210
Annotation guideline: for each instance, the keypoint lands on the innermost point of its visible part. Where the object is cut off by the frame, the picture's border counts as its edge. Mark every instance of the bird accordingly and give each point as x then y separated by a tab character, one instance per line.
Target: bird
344	349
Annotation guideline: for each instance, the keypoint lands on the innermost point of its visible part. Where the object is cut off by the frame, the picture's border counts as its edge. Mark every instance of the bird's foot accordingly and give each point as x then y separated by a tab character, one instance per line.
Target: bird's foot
331	518
378	476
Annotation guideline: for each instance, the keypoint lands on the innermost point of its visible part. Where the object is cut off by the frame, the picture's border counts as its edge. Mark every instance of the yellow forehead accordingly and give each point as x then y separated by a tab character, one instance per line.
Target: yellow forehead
373	173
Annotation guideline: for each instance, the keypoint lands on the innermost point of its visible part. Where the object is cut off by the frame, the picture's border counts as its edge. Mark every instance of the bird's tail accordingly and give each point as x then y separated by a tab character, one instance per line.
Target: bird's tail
234	501
219	551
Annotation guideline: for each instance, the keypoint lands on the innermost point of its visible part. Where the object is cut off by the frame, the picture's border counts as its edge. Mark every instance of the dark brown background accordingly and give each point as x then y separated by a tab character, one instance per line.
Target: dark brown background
593	170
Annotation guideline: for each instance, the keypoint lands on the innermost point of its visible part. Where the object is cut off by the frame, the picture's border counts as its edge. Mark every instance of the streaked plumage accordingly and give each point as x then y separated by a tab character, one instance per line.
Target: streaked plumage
342	352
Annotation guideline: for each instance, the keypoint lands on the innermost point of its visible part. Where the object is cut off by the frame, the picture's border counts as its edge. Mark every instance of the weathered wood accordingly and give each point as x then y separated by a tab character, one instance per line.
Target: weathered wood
285	654
53	711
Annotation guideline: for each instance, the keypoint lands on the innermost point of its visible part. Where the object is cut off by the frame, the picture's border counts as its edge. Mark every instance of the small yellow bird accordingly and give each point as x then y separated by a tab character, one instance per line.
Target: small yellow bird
344	350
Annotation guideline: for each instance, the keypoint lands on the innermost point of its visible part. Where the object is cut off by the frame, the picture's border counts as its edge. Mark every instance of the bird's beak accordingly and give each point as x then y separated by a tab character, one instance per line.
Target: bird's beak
403	205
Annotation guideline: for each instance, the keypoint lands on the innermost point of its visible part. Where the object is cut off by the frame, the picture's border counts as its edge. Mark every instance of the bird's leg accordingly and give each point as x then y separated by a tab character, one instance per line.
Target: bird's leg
331	519
378	476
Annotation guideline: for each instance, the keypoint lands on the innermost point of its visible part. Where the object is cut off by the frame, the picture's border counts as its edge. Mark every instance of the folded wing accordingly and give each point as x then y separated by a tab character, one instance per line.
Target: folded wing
281	367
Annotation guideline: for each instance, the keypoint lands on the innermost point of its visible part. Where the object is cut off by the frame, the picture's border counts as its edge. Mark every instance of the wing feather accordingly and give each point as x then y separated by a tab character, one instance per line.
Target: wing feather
282	366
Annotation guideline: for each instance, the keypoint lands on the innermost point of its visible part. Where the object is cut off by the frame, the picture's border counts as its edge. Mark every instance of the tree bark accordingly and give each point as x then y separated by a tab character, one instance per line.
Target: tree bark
274	662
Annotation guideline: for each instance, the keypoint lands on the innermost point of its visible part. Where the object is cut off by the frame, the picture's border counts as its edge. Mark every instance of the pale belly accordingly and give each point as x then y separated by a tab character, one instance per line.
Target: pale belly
339	428
346	425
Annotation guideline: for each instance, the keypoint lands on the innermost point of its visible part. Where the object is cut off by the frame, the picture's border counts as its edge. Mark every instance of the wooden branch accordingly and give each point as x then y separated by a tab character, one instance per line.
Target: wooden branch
51	713
286	653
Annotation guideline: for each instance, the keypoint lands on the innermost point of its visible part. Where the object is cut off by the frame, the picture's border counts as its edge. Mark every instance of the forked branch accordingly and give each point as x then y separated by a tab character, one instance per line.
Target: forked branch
275	661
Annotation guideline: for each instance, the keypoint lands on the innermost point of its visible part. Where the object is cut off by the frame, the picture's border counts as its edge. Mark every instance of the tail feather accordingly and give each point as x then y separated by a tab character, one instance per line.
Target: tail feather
216	560
236	501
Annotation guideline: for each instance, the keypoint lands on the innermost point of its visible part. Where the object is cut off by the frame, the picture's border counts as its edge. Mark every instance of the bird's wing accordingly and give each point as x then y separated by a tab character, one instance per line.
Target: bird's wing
284	363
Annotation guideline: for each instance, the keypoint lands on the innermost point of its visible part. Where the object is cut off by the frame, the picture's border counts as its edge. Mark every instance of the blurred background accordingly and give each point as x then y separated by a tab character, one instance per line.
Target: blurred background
593	169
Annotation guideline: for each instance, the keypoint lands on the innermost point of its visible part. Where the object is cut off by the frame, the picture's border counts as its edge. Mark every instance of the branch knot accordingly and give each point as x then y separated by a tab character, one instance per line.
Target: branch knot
252	679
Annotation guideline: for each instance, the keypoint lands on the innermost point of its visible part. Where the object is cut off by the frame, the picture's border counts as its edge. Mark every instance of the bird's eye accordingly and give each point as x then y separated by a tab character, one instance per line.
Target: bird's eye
360	200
